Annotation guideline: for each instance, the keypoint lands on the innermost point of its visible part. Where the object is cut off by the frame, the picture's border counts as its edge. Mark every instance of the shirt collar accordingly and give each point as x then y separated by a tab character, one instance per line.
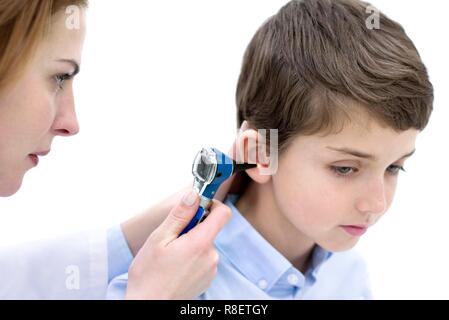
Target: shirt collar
253	255
319	256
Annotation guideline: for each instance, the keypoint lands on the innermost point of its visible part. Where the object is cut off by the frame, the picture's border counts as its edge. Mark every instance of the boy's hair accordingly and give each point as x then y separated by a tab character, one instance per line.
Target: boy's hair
316	63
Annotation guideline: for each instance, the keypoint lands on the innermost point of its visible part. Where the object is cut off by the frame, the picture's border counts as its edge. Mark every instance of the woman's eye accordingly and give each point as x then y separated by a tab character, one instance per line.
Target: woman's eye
60	78
394	169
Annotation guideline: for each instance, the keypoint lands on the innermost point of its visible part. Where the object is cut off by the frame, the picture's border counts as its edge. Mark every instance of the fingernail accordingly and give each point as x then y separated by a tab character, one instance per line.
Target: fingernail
189	198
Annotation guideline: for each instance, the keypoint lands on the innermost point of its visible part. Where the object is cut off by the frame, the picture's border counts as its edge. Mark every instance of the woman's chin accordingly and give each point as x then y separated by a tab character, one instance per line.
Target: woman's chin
10	186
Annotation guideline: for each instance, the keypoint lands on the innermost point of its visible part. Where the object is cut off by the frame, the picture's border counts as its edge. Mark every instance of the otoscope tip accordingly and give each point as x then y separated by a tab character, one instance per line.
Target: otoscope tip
243	166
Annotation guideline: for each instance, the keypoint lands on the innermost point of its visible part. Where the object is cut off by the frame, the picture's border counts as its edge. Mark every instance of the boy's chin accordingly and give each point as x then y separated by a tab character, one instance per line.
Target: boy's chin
338	246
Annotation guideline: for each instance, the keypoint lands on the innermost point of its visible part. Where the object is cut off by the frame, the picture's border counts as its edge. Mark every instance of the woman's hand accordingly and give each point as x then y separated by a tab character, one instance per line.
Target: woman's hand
139	228
168	267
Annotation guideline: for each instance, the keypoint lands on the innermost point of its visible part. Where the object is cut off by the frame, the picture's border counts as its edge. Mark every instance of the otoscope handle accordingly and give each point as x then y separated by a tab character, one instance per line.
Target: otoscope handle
205	204
195	220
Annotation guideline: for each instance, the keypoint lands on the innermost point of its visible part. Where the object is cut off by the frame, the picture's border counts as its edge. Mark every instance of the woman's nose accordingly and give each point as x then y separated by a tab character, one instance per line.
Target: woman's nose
66	122
68	129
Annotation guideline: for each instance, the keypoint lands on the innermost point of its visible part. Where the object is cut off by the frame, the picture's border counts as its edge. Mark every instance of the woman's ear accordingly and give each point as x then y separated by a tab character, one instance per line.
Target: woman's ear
252	148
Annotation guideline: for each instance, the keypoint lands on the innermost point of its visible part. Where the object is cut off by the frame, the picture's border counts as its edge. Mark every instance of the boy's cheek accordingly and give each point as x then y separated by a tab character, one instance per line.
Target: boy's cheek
310	197
322	209
311	212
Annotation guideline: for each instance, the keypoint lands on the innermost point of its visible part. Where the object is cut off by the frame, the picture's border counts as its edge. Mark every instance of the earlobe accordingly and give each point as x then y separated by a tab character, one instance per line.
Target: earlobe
256	175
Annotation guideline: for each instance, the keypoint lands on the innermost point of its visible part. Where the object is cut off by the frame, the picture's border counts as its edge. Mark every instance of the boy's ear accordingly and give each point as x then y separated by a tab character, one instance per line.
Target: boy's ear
251	148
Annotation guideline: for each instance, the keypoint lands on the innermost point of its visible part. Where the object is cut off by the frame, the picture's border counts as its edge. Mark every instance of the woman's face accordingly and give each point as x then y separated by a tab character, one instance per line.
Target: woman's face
40	105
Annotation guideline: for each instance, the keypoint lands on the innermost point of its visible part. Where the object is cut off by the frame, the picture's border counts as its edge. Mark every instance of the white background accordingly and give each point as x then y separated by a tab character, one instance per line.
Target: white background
158	82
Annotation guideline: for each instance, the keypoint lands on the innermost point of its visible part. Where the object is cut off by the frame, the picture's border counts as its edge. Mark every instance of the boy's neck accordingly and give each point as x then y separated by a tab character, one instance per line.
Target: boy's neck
258	206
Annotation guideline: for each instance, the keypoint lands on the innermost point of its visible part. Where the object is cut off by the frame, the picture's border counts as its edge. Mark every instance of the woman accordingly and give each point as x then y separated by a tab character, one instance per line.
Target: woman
40	54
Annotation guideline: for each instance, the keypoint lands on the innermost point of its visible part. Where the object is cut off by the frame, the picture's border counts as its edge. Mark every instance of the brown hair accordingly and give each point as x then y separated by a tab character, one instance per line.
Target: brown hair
316	62
23	25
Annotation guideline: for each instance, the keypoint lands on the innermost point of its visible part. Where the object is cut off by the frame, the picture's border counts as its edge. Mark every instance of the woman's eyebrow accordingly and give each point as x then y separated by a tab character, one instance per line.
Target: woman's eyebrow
75	65
364	155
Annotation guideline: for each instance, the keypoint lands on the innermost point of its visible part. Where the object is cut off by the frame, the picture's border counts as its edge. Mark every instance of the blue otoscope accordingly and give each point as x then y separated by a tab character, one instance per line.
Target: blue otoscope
210	169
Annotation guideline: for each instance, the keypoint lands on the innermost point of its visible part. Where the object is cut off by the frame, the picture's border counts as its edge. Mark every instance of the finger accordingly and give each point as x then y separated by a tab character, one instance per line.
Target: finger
218	216
178	218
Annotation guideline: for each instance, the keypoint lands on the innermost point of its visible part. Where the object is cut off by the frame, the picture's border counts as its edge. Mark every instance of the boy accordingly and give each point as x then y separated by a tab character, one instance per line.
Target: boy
348	101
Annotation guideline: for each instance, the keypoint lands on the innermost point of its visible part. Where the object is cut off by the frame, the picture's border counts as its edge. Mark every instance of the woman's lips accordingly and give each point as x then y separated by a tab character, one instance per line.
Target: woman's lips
356	231
34	158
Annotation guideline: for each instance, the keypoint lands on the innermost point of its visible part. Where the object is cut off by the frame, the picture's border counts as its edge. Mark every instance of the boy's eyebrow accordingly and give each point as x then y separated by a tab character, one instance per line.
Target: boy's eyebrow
75	65
361	154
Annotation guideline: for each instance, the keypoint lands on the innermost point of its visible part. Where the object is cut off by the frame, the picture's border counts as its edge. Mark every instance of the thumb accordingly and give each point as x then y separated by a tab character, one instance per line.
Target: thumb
178	218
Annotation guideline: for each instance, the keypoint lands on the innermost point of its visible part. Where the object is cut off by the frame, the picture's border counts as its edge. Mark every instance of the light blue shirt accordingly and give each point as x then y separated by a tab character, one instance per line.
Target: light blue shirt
251	268
119	254
76	266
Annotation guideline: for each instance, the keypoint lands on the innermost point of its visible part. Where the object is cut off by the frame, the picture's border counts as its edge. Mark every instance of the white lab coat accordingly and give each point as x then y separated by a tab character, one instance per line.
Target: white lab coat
72	267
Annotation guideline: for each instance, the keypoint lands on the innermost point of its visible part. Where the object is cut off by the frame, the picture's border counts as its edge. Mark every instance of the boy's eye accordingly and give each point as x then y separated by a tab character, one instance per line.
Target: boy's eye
343	171
346	171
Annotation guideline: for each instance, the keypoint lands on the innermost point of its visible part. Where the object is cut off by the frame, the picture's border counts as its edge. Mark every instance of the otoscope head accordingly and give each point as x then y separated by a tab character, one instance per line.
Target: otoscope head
211	168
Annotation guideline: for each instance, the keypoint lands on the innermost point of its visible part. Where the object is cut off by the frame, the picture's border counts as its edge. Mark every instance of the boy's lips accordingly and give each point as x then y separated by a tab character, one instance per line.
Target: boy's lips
355	230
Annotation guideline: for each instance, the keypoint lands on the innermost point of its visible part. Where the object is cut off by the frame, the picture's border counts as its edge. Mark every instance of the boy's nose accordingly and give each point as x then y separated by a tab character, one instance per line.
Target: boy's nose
373	200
